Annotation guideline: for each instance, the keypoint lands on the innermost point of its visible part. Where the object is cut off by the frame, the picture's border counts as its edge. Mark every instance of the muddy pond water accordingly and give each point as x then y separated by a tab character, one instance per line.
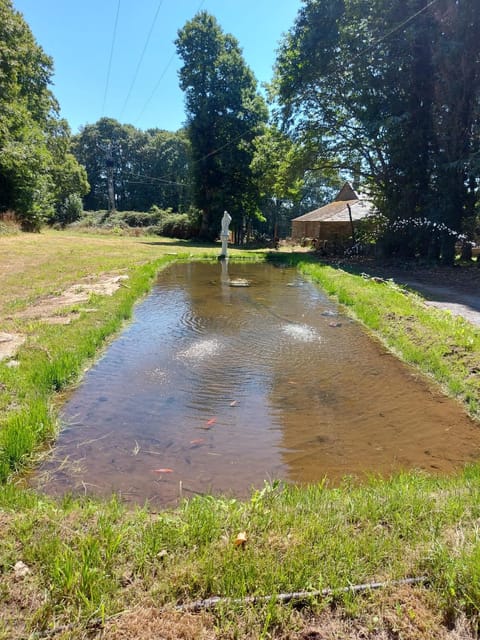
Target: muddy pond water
215	388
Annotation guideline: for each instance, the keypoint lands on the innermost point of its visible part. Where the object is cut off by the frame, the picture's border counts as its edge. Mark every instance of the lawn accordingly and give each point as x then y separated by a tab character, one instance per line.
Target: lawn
78	568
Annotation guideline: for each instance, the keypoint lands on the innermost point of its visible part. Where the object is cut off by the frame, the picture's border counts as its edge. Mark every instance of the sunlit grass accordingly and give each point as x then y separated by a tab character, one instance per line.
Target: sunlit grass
442	346
298	538
95	559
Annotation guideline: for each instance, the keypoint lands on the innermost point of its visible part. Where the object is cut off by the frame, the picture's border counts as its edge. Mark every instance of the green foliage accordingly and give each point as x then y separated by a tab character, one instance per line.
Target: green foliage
178	225
70	210
151	167
224	115
36	172
390	90
156	221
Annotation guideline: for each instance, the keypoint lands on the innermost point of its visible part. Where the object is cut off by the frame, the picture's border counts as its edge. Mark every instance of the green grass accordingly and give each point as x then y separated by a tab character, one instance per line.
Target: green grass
298	539
442	346
96	559
51	360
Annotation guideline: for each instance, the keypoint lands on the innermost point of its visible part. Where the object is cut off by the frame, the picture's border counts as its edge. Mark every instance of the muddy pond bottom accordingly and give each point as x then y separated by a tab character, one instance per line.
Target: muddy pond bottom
215	388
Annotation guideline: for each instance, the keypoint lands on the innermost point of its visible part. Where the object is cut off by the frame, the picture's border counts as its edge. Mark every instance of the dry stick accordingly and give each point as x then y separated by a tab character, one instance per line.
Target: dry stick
296	596
210	603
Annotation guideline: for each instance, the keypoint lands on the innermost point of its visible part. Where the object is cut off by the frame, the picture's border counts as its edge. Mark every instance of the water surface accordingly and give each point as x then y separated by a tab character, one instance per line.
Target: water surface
215	388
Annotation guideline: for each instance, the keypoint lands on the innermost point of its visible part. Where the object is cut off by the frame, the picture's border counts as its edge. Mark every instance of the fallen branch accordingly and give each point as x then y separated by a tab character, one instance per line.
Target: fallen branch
211	603
296	596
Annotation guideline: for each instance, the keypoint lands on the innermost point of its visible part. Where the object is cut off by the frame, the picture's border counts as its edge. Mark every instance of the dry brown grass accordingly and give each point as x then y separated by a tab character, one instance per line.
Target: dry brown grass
401	614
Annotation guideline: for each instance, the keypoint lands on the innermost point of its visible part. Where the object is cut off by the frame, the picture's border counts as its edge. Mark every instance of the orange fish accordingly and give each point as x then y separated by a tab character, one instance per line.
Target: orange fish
163	470
211	422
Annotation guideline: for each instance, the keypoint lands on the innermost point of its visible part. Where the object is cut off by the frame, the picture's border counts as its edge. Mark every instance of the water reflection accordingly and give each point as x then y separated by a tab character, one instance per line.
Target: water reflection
216	387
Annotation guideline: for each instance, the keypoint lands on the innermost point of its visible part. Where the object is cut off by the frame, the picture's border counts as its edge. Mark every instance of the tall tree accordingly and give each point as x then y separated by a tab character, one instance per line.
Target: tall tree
457	112
34	157
288	185
145	167
363	79
162	175
224	115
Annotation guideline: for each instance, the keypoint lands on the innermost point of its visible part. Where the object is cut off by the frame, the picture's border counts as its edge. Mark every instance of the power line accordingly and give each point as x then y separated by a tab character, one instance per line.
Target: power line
153	180
359	54
148	100
139	64
162	75
107	82
390	33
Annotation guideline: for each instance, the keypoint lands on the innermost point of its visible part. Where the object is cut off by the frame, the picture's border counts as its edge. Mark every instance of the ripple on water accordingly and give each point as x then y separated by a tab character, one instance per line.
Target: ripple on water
200	349
191	321
301	332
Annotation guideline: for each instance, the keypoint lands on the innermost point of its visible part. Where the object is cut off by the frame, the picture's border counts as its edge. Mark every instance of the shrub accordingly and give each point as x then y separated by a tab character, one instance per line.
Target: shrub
179	225
70	210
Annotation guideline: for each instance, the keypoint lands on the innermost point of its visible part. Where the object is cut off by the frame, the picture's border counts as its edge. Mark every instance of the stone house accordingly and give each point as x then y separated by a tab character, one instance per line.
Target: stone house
333	222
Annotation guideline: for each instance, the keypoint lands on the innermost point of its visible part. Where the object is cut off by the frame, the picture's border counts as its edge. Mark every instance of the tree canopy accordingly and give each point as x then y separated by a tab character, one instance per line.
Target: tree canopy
224	115
391	88
148	167
37	172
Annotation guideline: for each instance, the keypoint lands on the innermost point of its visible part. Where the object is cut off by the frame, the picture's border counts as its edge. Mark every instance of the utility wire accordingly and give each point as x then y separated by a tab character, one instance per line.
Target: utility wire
151	180
394	30
162	75
335	72
107	82
154	90
139	64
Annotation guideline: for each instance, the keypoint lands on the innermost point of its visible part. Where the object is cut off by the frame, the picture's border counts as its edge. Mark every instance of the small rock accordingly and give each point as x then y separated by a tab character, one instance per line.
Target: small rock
21	570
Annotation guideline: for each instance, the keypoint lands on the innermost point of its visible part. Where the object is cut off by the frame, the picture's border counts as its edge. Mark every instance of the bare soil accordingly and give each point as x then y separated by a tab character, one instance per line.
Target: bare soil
400	614
60	309
9	344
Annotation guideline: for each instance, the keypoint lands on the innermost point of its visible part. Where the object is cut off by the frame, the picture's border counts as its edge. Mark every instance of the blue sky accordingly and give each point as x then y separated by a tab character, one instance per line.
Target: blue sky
78	35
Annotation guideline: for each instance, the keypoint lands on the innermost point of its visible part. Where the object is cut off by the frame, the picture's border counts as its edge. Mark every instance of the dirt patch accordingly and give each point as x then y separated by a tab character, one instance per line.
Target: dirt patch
9	344
20	596
48	309
146	623
401	614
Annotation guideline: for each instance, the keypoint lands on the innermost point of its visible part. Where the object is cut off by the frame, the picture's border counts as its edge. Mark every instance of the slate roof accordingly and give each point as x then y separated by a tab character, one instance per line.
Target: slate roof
337	211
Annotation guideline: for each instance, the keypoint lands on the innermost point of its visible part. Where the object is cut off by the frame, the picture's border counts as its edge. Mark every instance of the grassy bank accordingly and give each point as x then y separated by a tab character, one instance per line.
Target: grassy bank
443	346
90	564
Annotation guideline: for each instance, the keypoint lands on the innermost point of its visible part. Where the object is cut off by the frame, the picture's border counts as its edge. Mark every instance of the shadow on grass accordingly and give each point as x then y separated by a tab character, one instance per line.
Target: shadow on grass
181	243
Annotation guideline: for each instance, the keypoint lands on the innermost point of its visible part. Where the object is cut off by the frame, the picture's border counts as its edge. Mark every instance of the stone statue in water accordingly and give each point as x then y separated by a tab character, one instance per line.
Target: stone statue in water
227	218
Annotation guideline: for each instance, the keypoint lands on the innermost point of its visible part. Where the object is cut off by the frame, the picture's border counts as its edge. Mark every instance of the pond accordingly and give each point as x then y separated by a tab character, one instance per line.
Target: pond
214	388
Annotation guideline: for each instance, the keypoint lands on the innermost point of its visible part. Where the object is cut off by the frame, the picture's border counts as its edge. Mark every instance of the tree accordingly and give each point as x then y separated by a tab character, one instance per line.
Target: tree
457	113
372	84
162	176
33	141
288	185
147	168
224	115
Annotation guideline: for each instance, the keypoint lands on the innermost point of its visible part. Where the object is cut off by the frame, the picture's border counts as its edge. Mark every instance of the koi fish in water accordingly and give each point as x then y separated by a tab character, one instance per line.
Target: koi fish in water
209	423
